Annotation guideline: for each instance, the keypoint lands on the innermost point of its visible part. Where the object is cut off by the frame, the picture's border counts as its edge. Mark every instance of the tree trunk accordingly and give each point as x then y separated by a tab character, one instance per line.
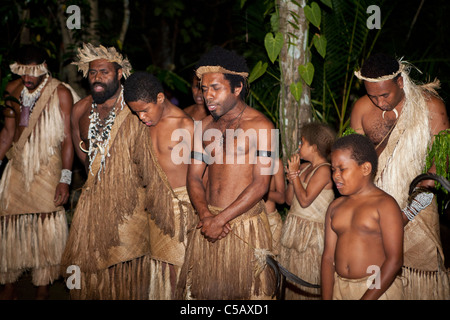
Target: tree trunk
68	72
294	53
125	22
25	31
93	21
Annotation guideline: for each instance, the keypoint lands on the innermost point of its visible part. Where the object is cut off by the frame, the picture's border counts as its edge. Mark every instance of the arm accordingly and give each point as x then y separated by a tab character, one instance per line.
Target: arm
77	112
316	183
276	193
391	225
327	266
65	103
9	128
7	133
194	178
356	116
292	172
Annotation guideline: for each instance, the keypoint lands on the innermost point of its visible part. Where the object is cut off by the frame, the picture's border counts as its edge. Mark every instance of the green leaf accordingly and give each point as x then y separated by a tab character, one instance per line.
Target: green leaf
307	72
258	70
320	43
273	45
327	3
296	90
313	14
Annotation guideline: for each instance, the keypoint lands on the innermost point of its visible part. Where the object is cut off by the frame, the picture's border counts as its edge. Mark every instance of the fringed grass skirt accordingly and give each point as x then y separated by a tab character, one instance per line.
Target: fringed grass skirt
301	251
226	268
124	281
32	241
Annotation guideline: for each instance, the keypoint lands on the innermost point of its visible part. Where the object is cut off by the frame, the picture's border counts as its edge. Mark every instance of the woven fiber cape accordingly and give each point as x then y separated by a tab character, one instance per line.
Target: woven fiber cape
400	162
110	226
171	216
33	231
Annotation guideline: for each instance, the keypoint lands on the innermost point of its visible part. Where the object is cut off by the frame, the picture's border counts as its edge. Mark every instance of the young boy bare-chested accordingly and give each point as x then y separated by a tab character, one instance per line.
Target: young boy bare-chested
363	251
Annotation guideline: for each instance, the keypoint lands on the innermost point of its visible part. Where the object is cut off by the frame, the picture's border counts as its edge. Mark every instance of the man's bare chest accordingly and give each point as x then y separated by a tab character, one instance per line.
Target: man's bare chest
378	130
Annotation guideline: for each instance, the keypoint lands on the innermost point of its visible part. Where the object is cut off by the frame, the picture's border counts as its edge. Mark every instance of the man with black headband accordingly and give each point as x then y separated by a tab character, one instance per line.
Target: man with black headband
402	118
234	143
35	184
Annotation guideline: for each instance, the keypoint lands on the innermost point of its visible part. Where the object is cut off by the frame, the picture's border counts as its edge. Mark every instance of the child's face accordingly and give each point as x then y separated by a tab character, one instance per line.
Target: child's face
347	174
305	149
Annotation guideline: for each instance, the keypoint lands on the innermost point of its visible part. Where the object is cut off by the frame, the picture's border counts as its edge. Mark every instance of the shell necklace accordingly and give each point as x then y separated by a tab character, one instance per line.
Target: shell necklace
28	101
99	133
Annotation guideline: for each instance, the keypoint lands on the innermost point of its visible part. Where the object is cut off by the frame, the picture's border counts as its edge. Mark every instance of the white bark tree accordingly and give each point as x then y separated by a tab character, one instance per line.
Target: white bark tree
292	114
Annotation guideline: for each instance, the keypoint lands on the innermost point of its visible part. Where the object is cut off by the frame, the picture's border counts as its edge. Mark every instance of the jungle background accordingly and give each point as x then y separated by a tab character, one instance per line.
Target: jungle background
302	53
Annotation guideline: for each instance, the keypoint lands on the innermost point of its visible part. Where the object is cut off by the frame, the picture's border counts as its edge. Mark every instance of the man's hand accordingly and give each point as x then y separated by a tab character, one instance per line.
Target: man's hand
212	228
61	194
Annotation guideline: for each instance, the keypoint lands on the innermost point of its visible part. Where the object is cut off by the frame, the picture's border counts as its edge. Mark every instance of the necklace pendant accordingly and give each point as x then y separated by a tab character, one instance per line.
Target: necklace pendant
101	149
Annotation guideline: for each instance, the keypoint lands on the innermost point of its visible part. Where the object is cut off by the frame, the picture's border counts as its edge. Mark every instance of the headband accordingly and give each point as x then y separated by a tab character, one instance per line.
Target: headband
34	70
217	69
401	67
90	53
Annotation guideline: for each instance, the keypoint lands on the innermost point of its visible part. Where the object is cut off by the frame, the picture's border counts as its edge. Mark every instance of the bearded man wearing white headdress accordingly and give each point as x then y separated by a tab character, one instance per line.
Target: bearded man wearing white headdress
109	234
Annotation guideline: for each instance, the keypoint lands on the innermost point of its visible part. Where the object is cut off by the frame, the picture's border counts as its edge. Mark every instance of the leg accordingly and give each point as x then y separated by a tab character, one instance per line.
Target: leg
9	292
42	292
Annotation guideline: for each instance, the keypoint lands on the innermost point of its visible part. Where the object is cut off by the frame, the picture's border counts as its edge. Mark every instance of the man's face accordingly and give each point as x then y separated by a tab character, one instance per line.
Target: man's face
150	113
31	82
104	80
217	94
197	92
386	95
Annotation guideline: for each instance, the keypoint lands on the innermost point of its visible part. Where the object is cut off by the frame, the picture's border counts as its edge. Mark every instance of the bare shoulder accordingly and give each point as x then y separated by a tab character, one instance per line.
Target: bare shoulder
185	122
335	204
362	104
384	202
82	105
256	120
189	110
64	93
12	86
437	114
176	122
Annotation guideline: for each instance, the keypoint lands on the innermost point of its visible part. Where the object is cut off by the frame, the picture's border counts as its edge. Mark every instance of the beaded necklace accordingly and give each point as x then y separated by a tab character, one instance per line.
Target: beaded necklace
28	101
99	133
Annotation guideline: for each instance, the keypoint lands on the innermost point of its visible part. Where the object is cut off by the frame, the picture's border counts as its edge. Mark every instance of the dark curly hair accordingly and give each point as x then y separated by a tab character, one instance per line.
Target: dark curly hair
362	150
29	54
229	60
321	135
142	86
378	65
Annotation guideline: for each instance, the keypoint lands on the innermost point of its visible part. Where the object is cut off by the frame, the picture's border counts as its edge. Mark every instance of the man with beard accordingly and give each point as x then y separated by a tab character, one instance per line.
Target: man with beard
235	144
108	237
35	183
